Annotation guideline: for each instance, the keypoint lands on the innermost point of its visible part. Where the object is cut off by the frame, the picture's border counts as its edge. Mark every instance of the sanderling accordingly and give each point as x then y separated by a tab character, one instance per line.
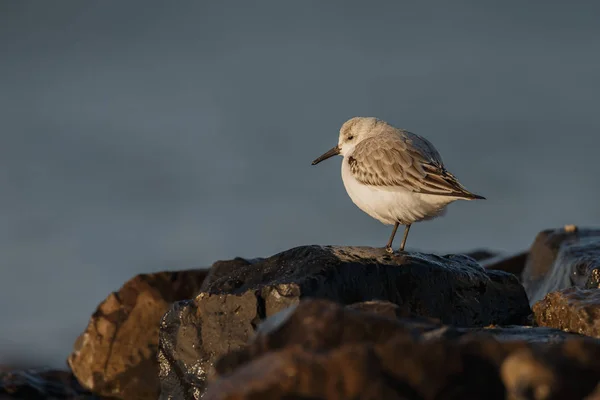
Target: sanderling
395	176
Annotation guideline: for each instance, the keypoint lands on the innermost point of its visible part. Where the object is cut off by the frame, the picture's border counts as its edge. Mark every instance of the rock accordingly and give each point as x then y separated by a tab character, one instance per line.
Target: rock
562	258
515	333
573	310
34	384
384	308
194	333
320	325
567	371
595	395
116	355
404	370
513	264
481	255
222	269
321	350
237	295
453	288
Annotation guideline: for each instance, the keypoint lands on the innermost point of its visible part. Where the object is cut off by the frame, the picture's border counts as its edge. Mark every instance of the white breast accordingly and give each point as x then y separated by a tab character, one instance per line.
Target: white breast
392	204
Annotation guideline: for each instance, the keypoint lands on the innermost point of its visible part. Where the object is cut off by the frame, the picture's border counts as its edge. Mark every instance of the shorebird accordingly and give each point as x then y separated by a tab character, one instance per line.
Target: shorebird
394	175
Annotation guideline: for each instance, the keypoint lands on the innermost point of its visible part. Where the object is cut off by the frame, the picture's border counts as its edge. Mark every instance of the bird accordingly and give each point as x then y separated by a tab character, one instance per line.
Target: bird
393	175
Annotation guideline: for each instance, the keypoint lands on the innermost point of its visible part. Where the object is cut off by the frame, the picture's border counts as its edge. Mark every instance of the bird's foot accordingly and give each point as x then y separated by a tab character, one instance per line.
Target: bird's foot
389	249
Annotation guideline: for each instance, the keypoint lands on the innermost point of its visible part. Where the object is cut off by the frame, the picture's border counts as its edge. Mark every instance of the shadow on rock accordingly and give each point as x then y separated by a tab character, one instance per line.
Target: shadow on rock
238	294
321	350
41	384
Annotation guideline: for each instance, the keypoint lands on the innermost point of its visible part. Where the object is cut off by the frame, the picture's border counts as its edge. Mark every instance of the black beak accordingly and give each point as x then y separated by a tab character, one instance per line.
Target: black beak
333	152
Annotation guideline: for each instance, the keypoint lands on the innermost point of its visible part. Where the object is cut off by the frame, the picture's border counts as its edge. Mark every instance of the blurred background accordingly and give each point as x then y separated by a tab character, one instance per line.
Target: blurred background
146	135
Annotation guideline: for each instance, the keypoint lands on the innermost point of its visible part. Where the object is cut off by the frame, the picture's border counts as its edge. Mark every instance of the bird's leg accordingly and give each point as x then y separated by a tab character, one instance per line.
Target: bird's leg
388	247
406	229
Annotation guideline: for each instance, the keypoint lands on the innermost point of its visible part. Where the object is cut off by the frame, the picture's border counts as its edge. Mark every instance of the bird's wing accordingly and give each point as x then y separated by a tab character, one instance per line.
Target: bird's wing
404	160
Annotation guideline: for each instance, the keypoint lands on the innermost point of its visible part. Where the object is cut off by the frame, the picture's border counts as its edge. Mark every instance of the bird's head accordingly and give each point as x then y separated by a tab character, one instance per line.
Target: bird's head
352	132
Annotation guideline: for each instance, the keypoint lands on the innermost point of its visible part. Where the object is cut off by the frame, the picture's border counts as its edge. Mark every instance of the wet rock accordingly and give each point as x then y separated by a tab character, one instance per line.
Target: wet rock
573	310
321	350
529	334
383	308
201	336
570	370
116	355
194	333
513	264
362	372
320	325
453	288
222	269
34	384
180	353
236	296
562	258
481	255
351	372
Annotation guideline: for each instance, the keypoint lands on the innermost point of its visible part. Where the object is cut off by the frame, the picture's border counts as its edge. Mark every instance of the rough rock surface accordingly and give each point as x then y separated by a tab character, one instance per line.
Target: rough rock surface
193	334
320	325
238	294
573	310
116	355
570	370
561	258
513	264
321	350
453	288
400	370
481	255
42	384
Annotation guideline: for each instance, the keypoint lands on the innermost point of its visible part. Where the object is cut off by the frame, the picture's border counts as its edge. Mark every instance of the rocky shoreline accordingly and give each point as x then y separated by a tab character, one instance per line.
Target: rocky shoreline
326	322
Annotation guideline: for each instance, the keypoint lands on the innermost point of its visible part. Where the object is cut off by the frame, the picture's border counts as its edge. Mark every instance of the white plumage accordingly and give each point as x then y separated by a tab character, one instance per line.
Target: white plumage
392	204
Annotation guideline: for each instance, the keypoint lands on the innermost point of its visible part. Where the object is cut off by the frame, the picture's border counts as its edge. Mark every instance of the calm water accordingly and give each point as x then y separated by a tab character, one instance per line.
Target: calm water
140	137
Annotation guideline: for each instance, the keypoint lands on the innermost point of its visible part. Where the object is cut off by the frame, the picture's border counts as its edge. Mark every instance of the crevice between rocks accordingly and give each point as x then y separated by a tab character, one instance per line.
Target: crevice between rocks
261	310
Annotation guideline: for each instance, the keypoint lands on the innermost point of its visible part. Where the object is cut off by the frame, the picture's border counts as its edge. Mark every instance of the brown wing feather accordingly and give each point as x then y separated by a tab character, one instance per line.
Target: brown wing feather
402	159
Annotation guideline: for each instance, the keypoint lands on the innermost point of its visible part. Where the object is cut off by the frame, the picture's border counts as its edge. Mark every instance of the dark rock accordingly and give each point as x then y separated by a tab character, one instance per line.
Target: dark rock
481	255
595	395
453	288
180	354
384	308
222	269
236	297
570	370
321	350
514	333
562	258
194	333
573	310
351	372
320	325
116	356
404	370
513	264
34	384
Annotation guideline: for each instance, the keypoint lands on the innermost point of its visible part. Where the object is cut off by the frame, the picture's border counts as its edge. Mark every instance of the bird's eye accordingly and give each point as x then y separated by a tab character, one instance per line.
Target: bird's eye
350	137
